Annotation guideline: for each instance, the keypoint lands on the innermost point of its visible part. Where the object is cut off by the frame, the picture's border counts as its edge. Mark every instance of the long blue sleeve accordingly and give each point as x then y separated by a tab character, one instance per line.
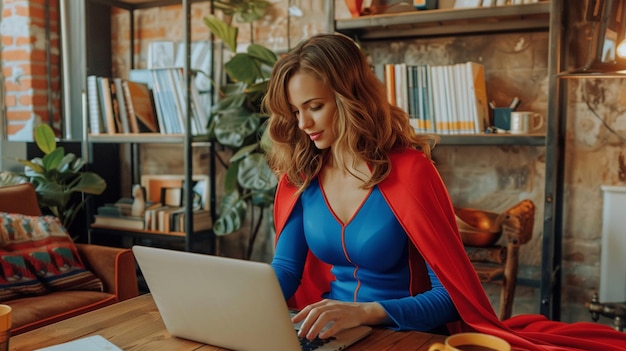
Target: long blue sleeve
423	312
290	253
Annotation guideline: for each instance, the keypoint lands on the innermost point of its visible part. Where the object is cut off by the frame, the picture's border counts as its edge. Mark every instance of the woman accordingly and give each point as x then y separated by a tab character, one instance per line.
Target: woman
366	232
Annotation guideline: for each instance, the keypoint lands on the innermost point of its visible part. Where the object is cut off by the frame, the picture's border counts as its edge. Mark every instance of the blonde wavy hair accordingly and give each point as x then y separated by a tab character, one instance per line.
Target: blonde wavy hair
367	126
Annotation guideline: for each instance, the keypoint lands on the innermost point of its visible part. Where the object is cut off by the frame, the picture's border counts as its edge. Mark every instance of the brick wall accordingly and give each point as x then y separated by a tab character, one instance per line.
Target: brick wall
30	96
159	23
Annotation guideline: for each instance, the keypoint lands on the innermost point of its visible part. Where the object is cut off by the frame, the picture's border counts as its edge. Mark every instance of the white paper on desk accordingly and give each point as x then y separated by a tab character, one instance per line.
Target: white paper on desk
91	343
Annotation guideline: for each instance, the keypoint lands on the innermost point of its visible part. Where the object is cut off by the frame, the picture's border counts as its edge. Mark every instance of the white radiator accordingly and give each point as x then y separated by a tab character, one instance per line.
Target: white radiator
613	250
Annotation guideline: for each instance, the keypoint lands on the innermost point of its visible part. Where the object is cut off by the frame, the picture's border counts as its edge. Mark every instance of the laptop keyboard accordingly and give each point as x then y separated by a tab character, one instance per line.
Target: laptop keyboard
309	345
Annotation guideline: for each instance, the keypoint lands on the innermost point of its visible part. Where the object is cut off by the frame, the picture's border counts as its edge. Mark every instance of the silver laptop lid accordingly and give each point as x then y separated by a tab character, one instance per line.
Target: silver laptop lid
219	301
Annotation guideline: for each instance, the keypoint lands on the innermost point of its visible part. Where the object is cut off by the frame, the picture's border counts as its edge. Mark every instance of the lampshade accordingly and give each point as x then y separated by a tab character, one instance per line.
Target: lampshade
621	49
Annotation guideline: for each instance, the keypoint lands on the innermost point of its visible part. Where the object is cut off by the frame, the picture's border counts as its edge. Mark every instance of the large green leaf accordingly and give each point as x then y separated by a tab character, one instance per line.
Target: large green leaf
243	68
51	194
254	173
45	139
230	102
230	178
244	10
258	87
232	214
233	127
262	54
90	183
243	152
53	159
10	178
225	32
73	163
253	11
33	167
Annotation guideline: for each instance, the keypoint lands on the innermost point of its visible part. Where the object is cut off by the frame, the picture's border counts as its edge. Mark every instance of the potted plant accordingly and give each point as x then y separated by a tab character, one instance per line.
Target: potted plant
57	177
238	124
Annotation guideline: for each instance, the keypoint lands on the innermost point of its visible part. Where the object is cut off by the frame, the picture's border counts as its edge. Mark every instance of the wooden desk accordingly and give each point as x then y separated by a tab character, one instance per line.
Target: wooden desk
136	324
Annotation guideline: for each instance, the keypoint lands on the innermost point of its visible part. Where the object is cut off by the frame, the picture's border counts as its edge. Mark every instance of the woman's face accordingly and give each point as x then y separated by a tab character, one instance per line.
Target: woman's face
313	104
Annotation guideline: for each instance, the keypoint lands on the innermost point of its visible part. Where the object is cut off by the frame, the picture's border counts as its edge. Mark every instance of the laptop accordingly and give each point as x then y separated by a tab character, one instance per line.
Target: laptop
226	302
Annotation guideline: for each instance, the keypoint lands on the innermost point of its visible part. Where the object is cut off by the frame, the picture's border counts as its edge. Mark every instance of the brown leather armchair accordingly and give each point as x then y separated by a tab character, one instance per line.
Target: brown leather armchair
114	266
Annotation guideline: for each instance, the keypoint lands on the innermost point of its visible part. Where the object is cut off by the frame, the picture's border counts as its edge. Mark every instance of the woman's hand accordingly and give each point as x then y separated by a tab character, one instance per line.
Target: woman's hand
328	317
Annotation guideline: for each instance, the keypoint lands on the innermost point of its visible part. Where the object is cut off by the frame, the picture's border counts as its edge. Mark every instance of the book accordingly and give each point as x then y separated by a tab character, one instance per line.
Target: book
110	210
141	76
163	104
450	104
164	217
412	96
400	72
143	107
201	221
151	218
125	222
121	105
130	109
106	106
122	207
200	114
177	95
477	89
390	83
93	105
466	121
427	88
437	97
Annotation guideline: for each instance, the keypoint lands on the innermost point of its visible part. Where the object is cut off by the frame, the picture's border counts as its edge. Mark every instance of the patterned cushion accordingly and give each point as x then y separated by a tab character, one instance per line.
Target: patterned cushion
16	279
47	251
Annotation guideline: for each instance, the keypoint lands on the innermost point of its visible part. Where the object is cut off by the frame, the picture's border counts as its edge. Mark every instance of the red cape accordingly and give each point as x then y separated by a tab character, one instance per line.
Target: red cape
420	201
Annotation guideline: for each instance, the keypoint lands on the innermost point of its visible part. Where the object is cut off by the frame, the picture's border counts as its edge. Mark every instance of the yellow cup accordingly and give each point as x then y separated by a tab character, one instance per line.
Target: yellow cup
471	342
5	326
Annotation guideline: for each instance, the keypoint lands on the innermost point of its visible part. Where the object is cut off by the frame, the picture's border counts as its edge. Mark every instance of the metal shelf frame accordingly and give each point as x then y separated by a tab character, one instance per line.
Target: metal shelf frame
188	140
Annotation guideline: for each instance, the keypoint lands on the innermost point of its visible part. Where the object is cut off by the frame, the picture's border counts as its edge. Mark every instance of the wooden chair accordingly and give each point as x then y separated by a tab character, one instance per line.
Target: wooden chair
500	263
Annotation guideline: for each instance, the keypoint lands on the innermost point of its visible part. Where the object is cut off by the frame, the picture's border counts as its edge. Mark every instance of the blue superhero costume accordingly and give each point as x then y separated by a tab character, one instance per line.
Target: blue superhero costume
416	195
369	256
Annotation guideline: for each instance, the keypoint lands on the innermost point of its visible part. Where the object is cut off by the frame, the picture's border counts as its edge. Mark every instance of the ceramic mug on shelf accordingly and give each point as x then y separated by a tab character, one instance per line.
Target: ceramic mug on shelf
524	122
471	342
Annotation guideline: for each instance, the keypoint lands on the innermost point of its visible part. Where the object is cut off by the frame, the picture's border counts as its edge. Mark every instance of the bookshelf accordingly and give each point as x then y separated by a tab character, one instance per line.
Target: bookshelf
91	19
541	16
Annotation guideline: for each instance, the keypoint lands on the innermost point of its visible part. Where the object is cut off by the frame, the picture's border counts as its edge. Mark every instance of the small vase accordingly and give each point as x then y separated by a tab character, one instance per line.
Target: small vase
354	6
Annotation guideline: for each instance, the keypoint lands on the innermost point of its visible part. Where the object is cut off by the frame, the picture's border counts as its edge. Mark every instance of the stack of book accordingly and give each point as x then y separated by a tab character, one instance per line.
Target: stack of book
172	219
443	99
152	101
119	215
157	217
